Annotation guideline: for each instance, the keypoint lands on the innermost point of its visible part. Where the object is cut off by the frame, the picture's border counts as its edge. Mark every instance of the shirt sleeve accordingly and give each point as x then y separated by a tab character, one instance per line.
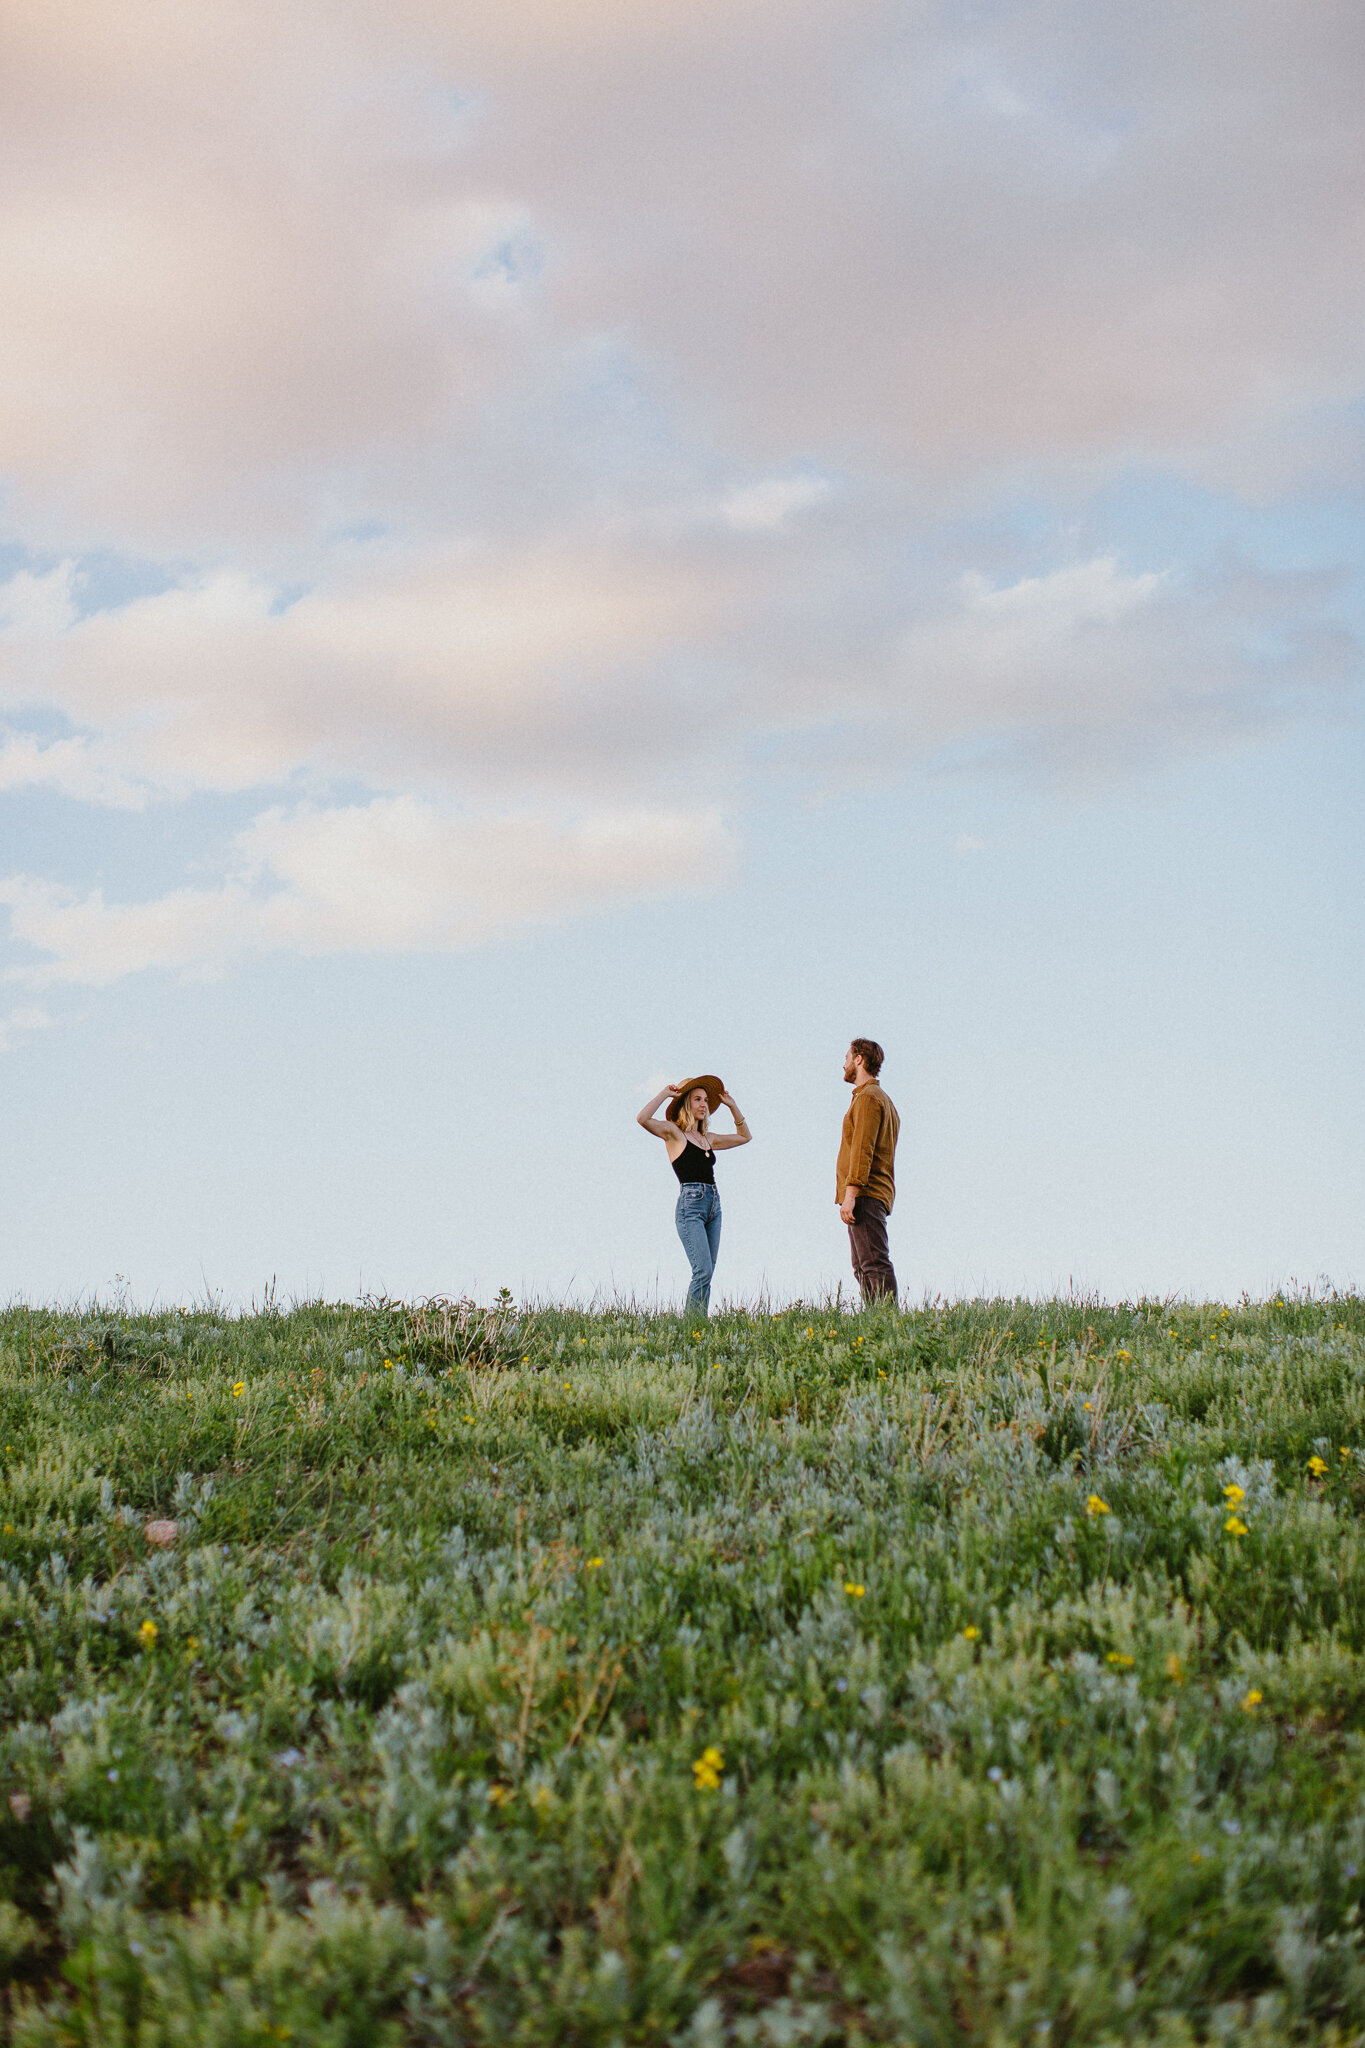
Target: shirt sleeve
863	1143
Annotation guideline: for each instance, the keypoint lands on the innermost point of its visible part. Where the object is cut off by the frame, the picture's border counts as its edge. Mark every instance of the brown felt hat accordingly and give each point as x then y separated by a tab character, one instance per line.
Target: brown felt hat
714	1087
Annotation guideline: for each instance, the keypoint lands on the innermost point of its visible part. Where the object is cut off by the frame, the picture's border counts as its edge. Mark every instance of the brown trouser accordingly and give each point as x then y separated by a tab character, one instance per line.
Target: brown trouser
872	1267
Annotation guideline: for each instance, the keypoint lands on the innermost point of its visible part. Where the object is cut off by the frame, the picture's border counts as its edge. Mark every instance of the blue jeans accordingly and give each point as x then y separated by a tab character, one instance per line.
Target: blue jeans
698	1220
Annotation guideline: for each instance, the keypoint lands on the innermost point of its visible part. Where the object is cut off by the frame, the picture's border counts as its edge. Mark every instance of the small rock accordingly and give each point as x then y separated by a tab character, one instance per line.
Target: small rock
162	1534
20	1805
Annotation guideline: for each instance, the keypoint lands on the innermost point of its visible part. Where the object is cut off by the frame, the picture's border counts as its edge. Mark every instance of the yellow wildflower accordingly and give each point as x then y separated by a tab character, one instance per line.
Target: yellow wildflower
147	1634
706	1770
852	1587
1345	1452
1317	1466
501	1795
1234	1494
1252	1700
238	1390
1096	1506
9	1528
388	1365
1174	1669
1235	1526
595	1564
1117	1657
971	1632
1124	1354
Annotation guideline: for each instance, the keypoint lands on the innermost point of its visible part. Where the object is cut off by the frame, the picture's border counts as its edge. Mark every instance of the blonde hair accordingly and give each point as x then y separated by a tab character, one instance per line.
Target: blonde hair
685	1120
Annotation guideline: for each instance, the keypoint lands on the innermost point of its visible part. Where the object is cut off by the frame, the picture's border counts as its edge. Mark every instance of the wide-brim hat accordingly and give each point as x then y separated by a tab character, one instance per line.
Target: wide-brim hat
714	1087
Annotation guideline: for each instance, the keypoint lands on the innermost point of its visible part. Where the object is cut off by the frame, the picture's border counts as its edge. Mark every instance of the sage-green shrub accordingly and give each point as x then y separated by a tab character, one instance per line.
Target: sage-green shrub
989	1673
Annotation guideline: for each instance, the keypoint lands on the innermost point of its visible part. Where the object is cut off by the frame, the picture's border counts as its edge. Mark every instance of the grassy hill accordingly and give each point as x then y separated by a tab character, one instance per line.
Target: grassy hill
991	1673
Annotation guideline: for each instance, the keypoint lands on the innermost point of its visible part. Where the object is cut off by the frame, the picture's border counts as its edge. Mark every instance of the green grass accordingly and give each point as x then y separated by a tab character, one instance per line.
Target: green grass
405	1738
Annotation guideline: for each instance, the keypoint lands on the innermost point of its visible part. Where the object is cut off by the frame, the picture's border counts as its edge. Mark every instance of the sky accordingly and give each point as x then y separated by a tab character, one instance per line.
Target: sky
546	549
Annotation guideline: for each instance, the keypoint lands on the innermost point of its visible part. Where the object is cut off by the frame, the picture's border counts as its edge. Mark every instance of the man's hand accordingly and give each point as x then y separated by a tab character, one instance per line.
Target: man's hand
851	1195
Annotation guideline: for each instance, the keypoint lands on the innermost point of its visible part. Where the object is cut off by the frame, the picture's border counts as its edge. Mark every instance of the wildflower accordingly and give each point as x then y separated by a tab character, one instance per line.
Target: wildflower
809	1331
1235	1526
1123	1354
707	1769
568	1386
1096	1506
852	1588
856	1342
239	1388
388	1365
526	1361
1251	1702
9	1529
1234	1495
469	1418
191	1645
595	1564
1174	1669
501	1795
880	1374
1117	1657
147	1634
971	1632
1317	1466
1087	1404
542	1798
1345	1452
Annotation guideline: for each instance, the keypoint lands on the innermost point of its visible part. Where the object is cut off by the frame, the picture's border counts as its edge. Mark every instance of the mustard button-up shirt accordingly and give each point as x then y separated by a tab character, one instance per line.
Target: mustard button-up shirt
867	1151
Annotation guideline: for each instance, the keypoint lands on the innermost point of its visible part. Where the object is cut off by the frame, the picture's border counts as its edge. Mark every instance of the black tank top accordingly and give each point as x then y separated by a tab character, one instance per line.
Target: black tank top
692	1165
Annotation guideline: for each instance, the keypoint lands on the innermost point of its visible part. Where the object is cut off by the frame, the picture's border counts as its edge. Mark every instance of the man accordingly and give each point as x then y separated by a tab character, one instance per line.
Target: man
865	1178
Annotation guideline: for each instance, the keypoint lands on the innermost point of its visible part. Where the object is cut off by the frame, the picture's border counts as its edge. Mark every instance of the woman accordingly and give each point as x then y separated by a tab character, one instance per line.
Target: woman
686	1131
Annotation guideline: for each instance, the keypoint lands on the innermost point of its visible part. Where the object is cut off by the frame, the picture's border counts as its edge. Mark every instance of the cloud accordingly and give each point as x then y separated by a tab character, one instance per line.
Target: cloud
28	1017
263	270
392	876
70	767
403	666
767	506
505	404
588	665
